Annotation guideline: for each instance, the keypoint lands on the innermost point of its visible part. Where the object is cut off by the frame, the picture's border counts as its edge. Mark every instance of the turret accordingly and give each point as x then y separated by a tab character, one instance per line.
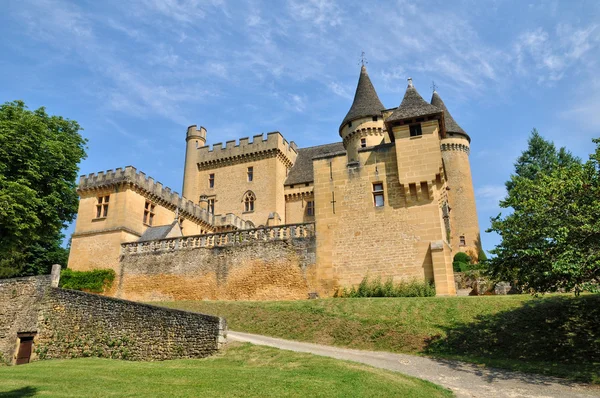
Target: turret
195	138
416	127
363	125
464	225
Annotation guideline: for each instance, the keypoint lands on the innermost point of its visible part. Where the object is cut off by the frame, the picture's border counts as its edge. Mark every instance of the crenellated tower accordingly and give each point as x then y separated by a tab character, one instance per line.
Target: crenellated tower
195	138
456	145
363	125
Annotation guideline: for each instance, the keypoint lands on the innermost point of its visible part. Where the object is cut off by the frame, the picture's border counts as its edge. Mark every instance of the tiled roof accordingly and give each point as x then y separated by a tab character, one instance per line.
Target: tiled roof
451	125
366	102
154	233
412	106
302	170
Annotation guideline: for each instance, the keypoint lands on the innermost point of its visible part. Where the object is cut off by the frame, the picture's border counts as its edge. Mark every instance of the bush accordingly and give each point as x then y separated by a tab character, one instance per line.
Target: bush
96	281
376	288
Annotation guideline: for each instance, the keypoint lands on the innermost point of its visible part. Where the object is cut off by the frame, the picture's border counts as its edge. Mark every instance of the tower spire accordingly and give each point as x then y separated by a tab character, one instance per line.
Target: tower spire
451	125
366	101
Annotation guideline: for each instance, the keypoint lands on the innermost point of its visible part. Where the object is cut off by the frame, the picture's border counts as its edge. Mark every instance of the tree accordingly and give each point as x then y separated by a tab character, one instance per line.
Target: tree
39	156
551	240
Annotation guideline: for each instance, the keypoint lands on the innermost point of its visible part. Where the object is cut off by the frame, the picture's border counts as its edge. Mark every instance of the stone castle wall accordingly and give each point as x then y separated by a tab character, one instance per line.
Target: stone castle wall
69	323
260	264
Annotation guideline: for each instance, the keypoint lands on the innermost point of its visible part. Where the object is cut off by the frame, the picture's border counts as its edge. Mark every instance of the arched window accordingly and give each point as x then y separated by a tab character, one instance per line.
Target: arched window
249	199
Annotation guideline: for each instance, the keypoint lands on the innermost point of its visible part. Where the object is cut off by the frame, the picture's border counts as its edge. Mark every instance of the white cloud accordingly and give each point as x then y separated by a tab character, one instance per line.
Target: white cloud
340	90
489	196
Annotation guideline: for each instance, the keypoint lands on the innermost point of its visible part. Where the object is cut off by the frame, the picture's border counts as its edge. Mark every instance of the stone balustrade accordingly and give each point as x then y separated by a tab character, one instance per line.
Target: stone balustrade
280	232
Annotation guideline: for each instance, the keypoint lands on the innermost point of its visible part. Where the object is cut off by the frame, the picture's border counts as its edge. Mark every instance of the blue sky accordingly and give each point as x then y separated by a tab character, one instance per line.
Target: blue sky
135	74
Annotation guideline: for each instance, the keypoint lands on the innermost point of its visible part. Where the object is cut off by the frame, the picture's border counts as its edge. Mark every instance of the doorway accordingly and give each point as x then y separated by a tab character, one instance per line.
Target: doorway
25	347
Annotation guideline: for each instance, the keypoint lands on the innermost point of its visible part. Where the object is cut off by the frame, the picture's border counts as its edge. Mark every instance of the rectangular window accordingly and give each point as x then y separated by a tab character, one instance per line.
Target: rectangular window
363	142
310	208
149	213
102	206
378	199
211	180
211	206
415	130
462	241
250	174
374	118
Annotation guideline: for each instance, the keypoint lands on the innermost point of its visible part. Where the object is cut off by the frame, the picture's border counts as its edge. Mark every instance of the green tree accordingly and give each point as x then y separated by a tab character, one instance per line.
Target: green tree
551	240
39	156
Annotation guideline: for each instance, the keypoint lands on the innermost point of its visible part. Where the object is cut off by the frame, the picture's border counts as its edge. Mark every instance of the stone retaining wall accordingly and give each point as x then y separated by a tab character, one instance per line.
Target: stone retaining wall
243	270
68	323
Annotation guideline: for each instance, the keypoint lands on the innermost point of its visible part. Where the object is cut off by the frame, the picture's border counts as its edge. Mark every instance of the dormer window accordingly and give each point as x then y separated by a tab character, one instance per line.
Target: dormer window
374	118
349	124
415	130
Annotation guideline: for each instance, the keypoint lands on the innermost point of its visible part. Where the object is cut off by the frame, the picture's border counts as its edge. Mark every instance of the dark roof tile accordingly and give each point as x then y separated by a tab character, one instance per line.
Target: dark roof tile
302	170
366	102
413	105
155	233
451	125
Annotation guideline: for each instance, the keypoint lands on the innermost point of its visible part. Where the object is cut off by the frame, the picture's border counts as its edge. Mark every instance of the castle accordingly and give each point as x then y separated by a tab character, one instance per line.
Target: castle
394	198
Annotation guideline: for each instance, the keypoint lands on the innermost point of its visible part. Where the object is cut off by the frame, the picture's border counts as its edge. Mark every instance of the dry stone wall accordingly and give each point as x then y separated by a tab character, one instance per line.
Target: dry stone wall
69	323
78	324
20	303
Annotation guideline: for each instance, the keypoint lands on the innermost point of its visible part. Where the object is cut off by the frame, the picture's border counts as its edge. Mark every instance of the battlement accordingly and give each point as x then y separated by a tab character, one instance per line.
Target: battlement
274	142
157	192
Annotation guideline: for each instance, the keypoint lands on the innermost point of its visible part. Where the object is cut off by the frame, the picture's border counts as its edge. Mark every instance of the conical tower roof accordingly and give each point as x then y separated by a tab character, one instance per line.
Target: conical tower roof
451	125
412	106
366	102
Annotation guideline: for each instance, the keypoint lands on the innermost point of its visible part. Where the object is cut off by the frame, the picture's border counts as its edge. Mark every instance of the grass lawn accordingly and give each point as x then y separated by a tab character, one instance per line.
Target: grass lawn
243	370
554	335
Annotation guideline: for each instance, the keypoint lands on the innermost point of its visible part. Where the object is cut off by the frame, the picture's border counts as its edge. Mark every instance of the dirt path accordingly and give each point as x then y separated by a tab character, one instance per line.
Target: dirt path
466	380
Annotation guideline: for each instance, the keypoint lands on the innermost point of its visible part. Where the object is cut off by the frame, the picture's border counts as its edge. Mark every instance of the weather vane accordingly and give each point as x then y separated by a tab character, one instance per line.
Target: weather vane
363	60
433	86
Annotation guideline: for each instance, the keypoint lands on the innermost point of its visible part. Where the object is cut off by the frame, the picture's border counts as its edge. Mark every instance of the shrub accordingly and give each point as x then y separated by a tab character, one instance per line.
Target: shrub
96	281
375	288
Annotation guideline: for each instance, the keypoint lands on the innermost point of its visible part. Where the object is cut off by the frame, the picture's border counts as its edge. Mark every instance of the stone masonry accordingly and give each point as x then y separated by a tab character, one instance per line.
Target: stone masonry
69	324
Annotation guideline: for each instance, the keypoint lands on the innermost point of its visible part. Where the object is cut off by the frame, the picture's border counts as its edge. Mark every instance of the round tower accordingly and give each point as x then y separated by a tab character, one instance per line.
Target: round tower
195	138
456	146
363	125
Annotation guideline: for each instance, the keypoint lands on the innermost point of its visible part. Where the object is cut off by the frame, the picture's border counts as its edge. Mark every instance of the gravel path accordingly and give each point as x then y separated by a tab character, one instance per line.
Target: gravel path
466	380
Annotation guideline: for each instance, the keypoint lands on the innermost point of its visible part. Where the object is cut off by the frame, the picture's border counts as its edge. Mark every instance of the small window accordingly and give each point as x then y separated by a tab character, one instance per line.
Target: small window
349	124
211	180
378	199
363	142
250	174
102	206
211	206
462	241
149	213
249	199
374	118
310	208
415	130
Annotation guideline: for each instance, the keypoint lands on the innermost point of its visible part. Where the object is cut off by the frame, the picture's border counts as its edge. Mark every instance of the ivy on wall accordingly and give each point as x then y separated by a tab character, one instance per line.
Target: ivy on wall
95	281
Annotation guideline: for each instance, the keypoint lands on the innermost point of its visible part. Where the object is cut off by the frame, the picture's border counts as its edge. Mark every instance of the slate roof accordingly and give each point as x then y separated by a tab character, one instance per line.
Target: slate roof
451	125
302	170
366	102
413	105
154	233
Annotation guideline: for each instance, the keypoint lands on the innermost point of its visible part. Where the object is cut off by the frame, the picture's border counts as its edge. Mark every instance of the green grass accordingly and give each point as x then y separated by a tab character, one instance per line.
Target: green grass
555	335
242	371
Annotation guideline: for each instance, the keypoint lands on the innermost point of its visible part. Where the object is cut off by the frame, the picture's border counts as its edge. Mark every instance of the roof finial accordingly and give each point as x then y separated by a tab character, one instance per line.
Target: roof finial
433	86
176	215
363	60
410	84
